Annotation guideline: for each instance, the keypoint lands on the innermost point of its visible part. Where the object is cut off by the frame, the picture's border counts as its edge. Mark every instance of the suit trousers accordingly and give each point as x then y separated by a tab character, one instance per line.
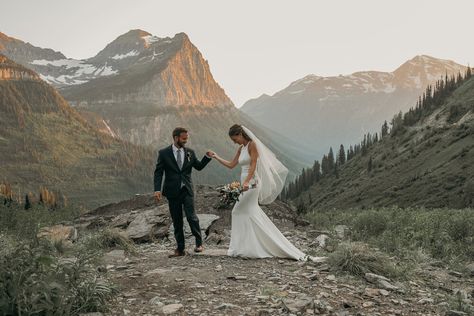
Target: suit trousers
184	201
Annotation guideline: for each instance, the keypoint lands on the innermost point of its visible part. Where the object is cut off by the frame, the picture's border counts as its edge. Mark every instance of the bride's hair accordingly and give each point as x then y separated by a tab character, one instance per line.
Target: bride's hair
237	129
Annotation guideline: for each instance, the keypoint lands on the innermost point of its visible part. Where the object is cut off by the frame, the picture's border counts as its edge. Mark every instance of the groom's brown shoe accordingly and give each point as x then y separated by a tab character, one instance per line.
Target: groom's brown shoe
177	253
199	249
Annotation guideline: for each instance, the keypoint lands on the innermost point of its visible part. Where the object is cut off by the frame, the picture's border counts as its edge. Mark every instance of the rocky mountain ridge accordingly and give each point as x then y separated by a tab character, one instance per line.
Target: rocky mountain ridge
340	109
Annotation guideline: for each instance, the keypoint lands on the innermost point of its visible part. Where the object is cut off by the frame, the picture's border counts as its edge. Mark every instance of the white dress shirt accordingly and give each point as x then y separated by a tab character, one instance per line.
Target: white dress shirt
175	152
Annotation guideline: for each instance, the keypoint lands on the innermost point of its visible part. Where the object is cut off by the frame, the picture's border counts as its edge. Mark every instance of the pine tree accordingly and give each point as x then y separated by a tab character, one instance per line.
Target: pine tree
350	153
331	160
316	171
384	129
324	165
27	202
342	155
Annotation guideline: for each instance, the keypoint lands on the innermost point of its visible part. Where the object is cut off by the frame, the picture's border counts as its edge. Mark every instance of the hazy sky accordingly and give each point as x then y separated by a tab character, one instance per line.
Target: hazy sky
258	46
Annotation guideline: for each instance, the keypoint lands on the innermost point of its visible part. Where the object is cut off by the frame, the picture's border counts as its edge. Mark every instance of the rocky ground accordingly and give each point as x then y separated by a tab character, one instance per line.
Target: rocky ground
211	283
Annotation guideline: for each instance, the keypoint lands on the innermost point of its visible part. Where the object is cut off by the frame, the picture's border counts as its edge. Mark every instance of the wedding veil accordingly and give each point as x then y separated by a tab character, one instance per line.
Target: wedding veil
271	172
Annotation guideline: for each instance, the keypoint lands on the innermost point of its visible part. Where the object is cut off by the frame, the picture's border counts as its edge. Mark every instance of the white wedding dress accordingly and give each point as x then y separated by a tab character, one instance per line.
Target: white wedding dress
253	234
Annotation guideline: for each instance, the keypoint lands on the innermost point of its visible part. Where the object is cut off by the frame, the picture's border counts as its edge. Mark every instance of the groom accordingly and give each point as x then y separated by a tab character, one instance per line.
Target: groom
176	162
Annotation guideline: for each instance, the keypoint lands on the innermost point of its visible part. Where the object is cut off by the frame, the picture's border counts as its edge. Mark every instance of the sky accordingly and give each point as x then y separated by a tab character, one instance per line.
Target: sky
258	46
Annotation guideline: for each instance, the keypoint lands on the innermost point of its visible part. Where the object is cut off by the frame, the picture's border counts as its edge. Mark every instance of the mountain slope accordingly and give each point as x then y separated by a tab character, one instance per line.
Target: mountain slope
335	110
170	84
45	142
429	163
139	87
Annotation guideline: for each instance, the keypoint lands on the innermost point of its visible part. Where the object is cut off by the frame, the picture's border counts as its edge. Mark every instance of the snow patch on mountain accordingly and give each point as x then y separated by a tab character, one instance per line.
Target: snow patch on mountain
296	92
150	39
79	71
129	54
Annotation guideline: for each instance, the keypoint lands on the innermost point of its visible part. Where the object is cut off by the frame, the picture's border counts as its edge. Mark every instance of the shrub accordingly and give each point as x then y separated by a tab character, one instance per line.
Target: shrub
33	281
444	234
107	239
24	224
357	258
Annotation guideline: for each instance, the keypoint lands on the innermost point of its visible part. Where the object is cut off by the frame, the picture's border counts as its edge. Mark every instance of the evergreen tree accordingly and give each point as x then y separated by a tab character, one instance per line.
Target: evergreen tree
27	202
350	153
384	129
342	155
324	165
316	171
331	160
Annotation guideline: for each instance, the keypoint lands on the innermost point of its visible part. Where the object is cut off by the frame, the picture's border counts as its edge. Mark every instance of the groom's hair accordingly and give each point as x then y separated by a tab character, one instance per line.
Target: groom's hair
178	130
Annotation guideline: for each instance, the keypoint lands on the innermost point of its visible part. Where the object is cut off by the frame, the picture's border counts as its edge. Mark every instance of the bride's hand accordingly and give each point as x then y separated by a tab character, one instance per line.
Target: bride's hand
245	186
211	154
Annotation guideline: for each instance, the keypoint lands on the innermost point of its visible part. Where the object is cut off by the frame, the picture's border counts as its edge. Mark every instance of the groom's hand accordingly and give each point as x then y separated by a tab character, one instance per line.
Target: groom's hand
157	196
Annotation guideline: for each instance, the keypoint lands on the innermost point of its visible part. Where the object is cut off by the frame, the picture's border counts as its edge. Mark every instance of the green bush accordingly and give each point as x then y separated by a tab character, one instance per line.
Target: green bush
34	281
358	259
24	224
107	239
444	234
370	223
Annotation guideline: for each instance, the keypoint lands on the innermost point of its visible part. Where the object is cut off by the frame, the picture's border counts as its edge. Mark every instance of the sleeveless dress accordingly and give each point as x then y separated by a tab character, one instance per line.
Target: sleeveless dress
253	234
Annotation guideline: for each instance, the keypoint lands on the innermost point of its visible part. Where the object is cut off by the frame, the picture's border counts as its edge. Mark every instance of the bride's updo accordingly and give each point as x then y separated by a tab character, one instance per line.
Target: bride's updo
237	129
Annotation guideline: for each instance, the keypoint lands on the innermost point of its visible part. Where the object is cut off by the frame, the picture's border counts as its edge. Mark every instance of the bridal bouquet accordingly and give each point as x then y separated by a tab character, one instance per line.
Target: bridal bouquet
230	194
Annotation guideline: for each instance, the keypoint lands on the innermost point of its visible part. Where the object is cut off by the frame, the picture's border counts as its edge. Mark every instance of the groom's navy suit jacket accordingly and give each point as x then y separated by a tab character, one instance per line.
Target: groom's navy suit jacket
167	164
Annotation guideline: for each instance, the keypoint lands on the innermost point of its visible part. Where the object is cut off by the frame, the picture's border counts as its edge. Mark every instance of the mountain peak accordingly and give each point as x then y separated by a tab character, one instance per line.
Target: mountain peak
5	40
422	70
131	36
136	32
423	58
5	37
427	61
128	44
182	36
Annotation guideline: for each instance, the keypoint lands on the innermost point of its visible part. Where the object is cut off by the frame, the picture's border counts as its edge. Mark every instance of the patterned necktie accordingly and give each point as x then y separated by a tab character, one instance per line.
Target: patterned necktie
179	159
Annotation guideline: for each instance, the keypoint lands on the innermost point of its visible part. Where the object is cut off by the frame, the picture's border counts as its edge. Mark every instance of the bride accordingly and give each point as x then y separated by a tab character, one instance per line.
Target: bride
253	234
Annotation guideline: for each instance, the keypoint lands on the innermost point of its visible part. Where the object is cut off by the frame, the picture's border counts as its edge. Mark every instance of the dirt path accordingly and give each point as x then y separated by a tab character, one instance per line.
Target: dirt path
214	284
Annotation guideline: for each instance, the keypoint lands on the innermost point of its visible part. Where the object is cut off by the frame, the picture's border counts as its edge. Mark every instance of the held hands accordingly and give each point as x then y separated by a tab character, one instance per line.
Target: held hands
211	154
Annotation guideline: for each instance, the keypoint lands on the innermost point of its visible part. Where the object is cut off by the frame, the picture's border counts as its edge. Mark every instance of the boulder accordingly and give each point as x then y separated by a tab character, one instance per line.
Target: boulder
149	224
341	231
321	241
381	281
298	305
172	309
